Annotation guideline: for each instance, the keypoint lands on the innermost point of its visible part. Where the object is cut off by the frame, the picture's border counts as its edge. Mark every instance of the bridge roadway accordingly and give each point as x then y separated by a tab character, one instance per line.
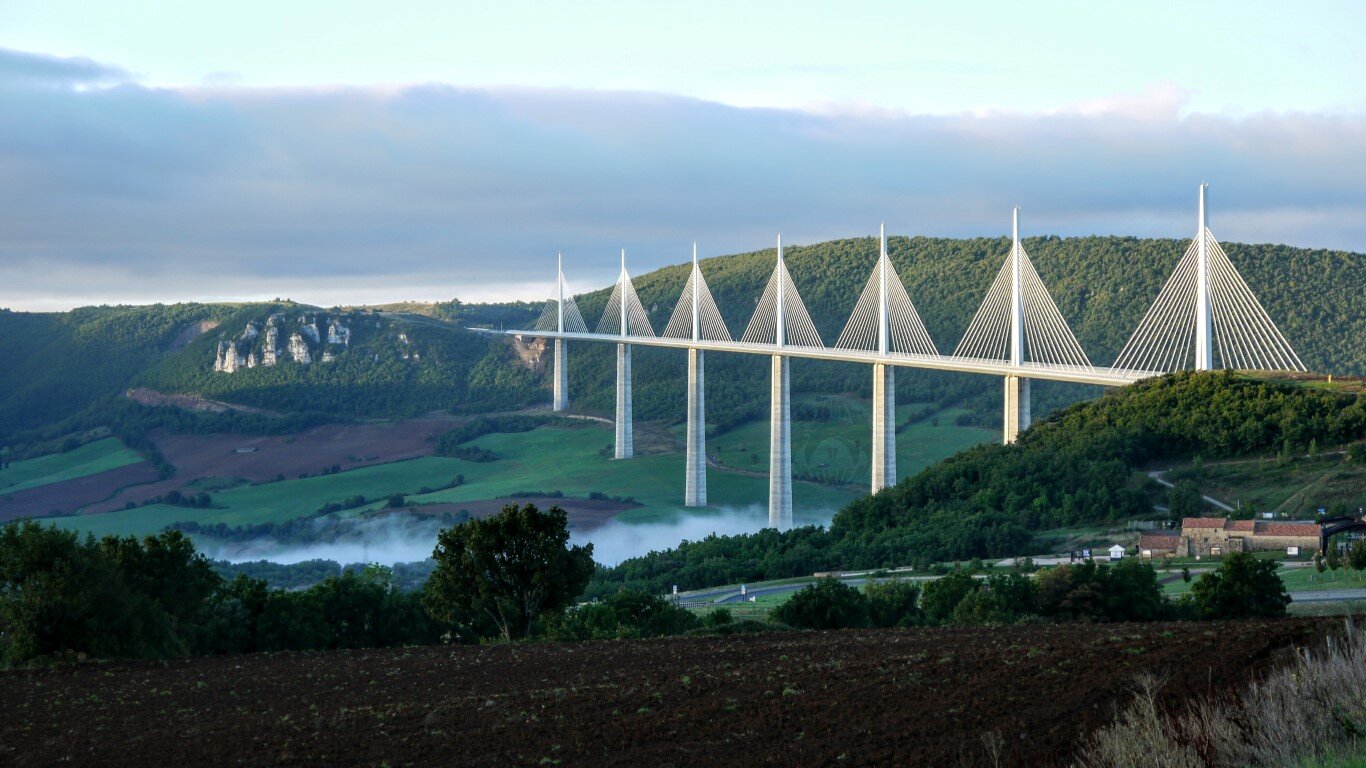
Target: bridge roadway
1106	377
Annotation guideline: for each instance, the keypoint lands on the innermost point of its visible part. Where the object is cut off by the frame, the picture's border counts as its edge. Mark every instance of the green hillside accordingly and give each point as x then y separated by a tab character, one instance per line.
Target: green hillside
62	364
1080	466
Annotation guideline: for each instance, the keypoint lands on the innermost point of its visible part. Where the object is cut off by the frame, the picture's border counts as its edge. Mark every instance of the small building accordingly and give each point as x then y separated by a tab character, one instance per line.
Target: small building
1163	544
1215	536
1117	552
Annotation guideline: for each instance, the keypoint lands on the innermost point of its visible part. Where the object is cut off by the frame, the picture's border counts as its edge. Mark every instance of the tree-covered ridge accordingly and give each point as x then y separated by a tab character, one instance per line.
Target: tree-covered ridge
1079	466
1102	285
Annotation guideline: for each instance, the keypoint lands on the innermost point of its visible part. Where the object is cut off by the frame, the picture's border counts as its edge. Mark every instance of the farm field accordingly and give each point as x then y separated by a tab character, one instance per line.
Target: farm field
812	698
545	460
89	459
837	451
1309	579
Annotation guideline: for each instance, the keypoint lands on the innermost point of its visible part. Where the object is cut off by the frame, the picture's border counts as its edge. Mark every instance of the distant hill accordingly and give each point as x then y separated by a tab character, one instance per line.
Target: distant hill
57	365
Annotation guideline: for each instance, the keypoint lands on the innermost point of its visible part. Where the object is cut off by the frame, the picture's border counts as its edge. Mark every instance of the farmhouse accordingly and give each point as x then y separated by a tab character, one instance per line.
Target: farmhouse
1161	544
1219	535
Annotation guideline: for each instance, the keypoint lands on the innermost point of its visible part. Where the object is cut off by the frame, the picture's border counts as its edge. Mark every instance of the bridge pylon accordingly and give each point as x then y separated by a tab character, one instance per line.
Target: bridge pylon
696	318
1205	317
624	317
1019	323
561	314
885	321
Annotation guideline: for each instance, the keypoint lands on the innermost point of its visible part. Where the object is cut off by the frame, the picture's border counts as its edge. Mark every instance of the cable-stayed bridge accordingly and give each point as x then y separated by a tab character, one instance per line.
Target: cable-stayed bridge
1205	317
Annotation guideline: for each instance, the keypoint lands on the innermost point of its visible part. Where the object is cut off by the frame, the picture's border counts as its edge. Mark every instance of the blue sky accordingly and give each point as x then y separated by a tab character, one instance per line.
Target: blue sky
339	152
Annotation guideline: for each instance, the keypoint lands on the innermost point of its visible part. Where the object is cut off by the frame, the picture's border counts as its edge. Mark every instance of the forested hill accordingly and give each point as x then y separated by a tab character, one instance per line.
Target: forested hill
69	371
59	364
1102	286
1079	467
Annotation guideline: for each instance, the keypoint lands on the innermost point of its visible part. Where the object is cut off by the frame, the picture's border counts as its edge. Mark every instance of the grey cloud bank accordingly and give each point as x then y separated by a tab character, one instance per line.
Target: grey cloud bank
111	191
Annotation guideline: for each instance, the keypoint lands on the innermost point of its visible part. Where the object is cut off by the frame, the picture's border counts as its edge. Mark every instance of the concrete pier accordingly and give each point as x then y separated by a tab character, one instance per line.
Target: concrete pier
625	440
561	376
884	426
780	449
695	485
1016	407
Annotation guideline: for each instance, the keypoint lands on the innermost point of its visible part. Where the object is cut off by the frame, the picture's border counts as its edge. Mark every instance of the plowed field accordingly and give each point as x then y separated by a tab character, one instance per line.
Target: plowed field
875	697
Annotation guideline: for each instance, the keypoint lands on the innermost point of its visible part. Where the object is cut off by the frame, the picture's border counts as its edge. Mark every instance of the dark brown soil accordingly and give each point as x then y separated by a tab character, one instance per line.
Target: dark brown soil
70	495
869	697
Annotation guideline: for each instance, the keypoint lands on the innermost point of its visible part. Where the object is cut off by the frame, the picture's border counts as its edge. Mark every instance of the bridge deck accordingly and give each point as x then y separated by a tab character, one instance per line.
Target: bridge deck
1107	377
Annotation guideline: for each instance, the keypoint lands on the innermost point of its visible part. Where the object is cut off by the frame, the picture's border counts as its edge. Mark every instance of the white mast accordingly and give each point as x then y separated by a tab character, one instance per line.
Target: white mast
624	279
882	314
559	291
1204	352
696	279
1016	297
778	336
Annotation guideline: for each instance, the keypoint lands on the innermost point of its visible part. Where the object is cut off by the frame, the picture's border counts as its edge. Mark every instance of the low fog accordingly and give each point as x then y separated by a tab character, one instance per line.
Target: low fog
405	538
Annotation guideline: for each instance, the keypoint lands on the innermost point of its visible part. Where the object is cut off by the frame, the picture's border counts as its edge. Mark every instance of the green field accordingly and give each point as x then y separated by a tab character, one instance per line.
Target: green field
571	461
1308	579
543	460
1297	487
836	451
89	459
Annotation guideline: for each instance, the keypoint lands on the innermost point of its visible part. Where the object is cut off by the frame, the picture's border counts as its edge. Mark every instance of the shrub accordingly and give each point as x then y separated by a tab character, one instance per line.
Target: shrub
944	594
1243	587
827	604
893	604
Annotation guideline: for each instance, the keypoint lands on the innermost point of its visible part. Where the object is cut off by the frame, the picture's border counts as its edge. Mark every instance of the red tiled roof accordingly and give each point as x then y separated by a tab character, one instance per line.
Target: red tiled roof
1158	541
1248	526
1288	529
1203	522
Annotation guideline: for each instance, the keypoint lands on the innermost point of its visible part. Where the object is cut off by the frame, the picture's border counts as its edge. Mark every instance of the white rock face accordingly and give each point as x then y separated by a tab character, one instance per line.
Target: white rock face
231	359
328	357
270	353
298	349
218	360
338	334
403	339
309	329
251	332
251	360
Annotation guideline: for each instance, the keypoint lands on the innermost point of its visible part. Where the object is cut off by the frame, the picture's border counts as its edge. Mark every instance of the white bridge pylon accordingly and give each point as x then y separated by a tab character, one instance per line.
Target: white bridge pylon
561	314
1018	322
1204	311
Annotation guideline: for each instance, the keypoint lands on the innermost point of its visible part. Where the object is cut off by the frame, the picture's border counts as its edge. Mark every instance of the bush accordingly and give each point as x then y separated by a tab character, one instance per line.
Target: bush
1243	587
827	604
893	604
716	617
944	594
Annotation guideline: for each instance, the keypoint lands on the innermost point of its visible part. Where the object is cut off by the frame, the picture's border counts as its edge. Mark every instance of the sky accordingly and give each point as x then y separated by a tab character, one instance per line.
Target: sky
370	152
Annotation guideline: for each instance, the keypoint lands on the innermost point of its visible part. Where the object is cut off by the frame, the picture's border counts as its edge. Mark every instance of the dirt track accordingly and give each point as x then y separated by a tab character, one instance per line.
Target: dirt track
875	697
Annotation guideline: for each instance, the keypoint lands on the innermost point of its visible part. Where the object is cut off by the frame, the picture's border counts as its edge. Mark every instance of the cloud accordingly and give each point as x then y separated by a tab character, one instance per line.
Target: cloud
124	192
34	69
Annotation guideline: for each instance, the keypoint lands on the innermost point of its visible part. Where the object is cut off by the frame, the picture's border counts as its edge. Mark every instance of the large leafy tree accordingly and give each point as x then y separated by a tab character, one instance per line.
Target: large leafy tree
506	571
1243	587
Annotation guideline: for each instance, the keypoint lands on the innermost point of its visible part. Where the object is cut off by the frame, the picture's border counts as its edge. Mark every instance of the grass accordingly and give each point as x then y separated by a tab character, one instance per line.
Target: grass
1297	487
1308	712
1309	579
543	460
836	451
89	459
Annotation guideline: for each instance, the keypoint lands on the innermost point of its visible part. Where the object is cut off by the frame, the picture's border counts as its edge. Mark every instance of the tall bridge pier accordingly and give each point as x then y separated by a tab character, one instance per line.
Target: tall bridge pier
625	433
884	426
695	484
560	373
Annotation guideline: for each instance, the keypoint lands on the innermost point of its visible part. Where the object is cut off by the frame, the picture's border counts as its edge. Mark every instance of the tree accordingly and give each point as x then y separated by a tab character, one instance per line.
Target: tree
1243	587
827	604
943	594
1183	500
508	569
893	603
1356	556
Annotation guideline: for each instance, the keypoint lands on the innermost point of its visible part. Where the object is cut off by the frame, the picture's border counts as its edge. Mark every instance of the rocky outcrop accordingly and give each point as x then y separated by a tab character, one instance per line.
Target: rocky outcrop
338	334
309	328
231	359
328	357
298	349
251	360
270	352
250	333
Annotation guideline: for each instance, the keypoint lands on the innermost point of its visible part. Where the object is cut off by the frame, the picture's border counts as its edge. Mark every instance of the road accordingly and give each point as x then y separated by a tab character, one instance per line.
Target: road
731	594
